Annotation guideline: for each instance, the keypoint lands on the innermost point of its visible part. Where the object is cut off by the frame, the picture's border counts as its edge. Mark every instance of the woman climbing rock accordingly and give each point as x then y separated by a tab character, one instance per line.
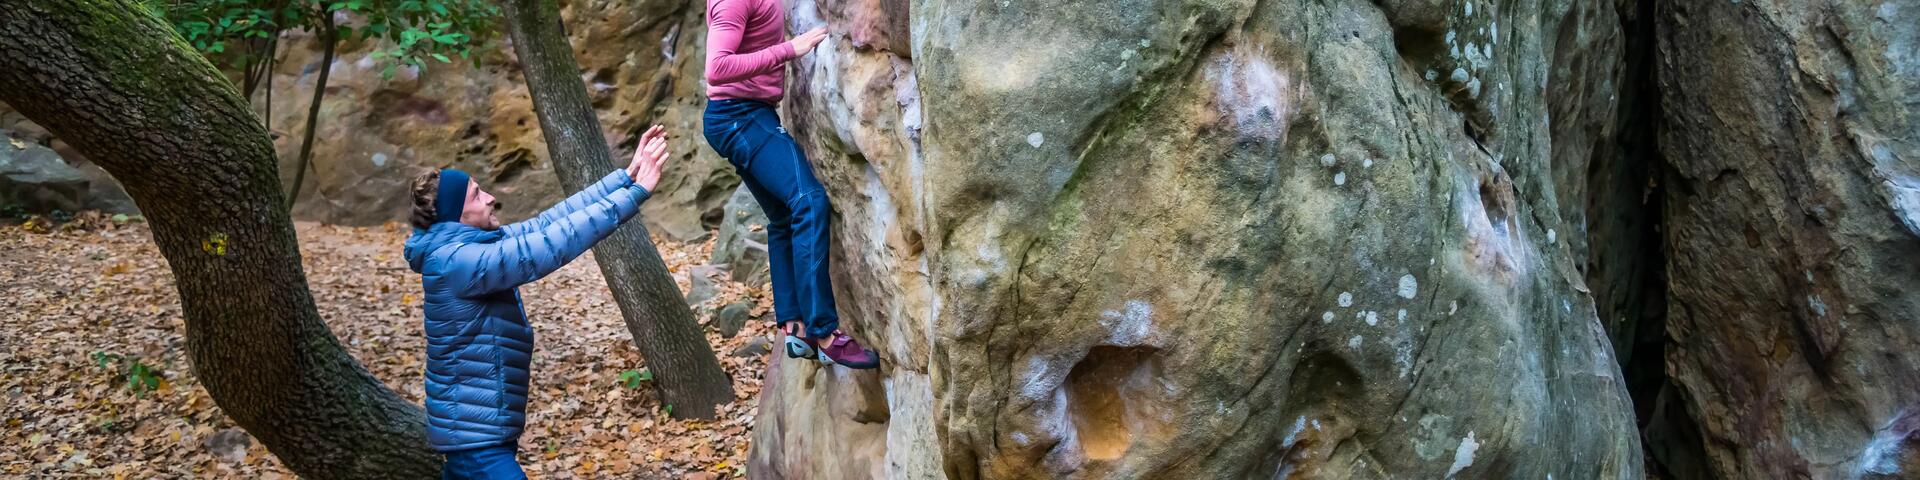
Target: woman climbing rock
747	51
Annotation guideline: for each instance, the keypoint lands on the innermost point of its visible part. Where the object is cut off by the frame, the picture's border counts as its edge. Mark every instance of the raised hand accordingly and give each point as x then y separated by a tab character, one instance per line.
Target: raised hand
805	42
649	158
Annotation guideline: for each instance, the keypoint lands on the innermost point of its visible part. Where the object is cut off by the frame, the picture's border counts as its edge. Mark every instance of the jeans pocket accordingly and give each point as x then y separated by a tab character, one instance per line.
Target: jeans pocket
723	135
768	125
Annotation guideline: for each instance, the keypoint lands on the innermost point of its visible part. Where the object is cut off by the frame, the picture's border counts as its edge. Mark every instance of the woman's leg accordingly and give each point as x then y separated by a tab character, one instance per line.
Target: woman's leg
779	171
779	250
728	128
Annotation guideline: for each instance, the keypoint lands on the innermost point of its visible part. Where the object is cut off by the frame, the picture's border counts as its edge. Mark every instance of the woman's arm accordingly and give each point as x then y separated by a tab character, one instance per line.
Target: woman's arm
727	26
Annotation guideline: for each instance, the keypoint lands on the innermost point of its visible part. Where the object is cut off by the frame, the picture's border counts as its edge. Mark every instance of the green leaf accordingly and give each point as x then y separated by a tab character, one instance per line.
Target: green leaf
632	378
442	58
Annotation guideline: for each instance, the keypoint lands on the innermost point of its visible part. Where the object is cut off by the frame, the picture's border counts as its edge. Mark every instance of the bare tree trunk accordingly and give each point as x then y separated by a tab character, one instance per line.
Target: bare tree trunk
273	58
118	84
330	35
688	376
257	66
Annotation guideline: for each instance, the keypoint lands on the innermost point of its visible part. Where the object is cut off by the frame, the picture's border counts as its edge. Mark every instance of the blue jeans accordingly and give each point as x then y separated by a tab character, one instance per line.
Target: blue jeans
771	165
486	463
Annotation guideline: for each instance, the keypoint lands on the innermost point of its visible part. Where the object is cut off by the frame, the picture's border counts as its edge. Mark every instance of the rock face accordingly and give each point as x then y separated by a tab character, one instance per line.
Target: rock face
43	174
642	62
1202	239
33	179
741	241
1793	218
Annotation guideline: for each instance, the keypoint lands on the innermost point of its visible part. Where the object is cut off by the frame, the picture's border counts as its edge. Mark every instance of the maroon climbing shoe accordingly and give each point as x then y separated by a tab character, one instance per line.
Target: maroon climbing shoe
847	352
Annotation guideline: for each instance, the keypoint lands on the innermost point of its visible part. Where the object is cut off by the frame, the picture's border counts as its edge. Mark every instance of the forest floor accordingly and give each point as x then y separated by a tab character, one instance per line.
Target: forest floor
87	307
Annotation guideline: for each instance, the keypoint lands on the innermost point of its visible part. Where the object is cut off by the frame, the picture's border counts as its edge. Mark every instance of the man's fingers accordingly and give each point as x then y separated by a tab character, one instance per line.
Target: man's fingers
650	134
660	153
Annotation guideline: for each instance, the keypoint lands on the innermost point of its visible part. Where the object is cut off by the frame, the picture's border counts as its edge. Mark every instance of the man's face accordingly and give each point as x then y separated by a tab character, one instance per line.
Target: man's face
478	211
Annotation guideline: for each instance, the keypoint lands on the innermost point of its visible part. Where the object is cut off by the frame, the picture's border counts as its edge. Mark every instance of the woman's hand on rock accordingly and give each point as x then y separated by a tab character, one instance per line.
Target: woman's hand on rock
805	42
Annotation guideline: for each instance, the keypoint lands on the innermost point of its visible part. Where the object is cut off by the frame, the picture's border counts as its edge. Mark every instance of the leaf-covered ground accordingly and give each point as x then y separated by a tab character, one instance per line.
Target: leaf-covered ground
85	304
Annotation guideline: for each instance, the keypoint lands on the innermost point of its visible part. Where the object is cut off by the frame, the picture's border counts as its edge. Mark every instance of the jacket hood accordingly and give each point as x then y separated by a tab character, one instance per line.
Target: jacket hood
423	242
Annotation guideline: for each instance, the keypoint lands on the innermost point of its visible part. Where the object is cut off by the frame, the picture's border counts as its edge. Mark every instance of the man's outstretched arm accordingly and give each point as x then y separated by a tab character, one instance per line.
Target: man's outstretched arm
477	269
483	268
587	196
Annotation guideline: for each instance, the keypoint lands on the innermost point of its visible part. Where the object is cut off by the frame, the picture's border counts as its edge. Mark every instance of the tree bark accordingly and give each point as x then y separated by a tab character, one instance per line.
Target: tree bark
330	35
116	82
685	371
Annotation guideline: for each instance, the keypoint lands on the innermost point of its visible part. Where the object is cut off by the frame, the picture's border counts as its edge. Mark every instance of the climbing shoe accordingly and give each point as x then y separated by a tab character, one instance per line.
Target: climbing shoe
847	352
798	346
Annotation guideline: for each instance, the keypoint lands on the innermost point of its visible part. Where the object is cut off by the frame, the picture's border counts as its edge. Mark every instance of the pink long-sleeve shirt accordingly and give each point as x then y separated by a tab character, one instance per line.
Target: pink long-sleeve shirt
747	49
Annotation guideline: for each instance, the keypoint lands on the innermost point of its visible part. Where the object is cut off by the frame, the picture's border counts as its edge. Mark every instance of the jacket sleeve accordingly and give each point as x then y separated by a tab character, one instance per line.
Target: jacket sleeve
477	269
726	26
587	196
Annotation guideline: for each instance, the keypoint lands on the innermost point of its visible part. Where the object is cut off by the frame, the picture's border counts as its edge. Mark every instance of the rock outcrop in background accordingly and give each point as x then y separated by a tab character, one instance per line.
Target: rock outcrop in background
41	175
642	62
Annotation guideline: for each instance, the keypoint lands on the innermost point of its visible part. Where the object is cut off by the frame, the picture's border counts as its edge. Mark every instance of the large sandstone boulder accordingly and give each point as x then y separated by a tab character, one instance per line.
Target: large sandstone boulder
1201	239
1792	135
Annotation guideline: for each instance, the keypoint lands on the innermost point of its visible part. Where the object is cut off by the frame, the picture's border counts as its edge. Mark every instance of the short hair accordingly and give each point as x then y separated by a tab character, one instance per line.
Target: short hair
426	188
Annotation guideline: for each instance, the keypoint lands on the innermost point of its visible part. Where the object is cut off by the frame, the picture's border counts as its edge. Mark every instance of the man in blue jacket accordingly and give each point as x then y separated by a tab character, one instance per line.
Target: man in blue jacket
479	344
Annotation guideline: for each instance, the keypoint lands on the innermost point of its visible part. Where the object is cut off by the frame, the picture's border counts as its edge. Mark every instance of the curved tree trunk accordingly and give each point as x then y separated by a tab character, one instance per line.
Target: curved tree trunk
684	367
118	84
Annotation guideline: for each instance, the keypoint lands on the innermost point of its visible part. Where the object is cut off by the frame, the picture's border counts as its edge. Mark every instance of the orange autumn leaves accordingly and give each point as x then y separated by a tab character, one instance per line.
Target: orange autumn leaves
98	286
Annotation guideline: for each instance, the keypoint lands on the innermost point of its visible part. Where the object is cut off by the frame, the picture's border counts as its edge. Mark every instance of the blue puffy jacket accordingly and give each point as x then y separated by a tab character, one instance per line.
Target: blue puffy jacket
479	345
